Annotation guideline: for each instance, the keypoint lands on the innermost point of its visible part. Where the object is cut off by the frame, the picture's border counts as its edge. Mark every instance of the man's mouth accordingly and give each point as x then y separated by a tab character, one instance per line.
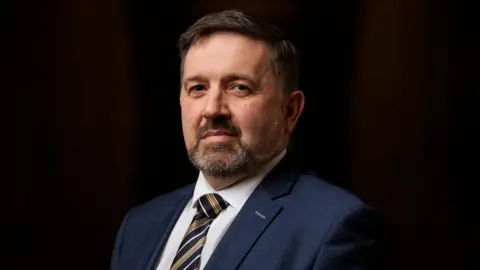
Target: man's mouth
217	133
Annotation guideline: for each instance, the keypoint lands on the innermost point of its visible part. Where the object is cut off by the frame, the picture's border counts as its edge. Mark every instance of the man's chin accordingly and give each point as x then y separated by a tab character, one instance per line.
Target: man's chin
218	157
222	165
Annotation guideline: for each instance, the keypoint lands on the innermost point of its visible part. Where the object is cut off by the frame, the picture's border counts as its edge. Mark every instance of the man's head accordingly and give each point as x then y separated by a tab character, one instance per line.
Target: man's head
239	97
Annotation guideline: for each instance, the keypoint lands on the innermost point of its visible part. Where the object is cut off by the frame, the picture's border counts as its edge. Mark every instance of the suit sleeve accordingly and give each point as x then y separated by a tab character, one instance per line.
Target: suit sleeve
356	240
117	249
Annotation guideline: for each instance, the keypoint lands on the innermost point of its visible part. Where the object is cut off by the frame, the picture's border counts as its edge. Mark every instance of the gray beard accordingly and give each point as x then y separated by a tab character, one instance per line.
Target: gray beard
227	159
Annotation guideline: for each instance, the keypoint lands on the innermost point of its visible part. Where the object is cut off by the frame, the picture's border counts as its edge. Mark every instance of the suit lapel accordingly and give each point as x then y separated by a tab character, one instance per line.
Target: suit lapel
159	232
253	219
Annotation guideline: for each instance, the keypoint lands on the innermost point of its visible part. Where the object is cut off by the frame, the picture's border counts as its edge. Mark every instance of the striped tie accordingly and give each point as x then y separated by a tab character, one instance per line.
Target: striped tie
188	255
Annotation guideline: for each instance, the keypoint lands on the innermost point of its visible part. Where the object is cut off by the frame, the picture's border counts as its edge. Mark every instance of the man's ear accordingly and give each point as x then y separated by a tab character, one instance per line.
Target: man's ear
294	107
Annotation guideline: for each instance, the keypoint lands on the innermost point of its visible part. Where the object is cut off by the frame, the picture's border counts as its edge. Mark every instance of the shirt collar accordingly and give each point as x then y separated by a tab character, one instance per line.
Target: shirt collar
237	194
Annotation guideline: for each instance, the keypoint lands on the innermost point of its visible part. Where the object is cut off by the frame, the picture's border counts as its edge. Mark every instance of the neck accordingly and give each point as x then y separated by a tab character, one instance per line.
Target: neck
221	182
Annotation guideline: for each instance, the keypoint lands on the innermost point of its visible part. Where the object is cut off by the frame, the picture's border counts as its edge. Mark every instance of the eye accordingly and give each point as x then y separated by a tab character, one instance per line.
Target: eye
196	88
240	88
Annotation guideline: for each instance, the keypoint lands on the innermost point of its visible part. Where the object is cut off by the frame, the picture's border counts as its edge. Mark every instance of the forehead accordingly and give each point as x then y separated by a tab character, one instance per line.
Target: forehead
225	52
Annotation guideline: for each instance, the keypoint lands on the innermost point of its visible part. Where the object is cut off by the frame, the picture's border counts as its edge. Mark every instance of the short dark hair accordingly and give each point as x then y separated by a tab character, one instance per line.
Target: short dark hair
283	54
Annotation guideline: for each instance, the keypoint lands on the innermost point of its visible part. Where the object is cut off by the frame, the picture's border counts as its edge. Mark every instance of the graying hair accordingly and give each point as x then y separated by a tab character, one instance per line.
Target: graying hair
284	56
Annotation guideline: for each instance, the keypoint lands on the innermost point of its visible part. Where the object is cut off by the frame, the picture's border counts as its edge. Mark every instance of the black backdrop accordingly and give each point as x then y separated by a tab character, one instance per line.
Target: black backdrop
91	119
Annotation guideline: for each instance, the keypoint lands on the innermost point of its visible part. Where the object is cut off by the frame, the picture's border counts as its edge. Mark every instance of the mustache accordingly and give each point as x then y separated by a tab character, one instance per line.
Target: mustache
220	123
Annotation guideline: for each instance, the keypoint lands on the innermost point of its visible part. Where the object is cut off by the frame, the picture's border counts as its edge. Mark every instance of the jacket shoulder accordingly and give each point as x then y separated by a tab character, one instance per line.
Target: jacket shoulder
319	196
162	202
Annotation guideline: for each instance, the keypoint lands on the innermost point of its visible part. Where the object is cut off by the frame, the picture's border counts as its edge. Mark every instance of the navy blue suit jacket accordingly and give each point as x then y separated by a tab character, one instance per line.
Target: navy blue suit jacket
291	221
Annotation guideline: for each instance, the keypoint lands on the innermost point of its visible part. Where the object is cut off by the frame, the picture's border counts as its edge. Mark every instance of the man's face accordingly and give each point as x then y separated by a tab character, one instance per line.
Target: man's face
232	112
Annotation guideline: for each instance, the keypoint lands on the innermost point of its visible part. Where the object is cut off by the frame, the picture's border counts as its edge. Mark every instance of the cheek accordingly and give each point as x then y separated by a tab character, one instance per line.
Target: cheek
258	122
191	117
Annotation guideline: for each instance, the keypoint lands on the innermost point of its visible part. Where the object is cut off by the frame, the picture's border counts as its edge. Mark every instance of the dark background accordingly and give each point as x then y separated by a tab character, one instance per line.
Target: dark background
92	124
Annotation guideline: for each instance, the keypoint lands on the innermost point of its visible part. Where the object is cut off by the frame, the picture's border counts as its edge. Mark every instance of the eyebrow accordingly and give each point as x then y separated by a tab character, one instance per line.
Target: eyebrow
194	78
228	78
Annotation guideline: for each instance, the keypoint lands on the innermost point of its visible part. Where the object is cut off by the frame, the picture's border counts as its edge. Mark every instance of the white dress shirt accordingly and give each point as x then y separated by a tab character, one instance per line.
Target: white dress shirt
236	196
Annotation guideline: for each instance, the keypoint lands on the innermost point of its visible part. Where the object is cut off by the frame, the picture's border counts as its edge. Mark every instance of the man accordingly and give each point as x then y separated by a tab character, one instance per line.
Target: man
250	208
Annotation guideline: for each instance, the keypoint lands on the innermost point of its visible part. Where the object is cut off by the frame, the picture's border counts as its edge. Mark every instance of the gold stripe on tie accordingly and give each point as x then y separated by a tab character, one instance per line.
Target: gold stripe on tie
187	254
213	203
196	224
217	204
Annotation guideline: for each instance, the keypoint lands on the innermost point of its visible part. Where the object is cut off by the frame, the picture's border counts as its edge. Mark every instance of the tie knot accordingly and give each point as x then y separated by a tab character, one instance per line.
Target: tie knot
211	205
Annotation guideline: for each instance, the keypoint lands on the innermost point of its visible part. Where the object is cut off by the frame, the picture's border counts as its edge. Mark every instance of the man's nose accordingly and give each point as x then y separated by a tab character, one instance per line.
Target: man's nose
216	104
